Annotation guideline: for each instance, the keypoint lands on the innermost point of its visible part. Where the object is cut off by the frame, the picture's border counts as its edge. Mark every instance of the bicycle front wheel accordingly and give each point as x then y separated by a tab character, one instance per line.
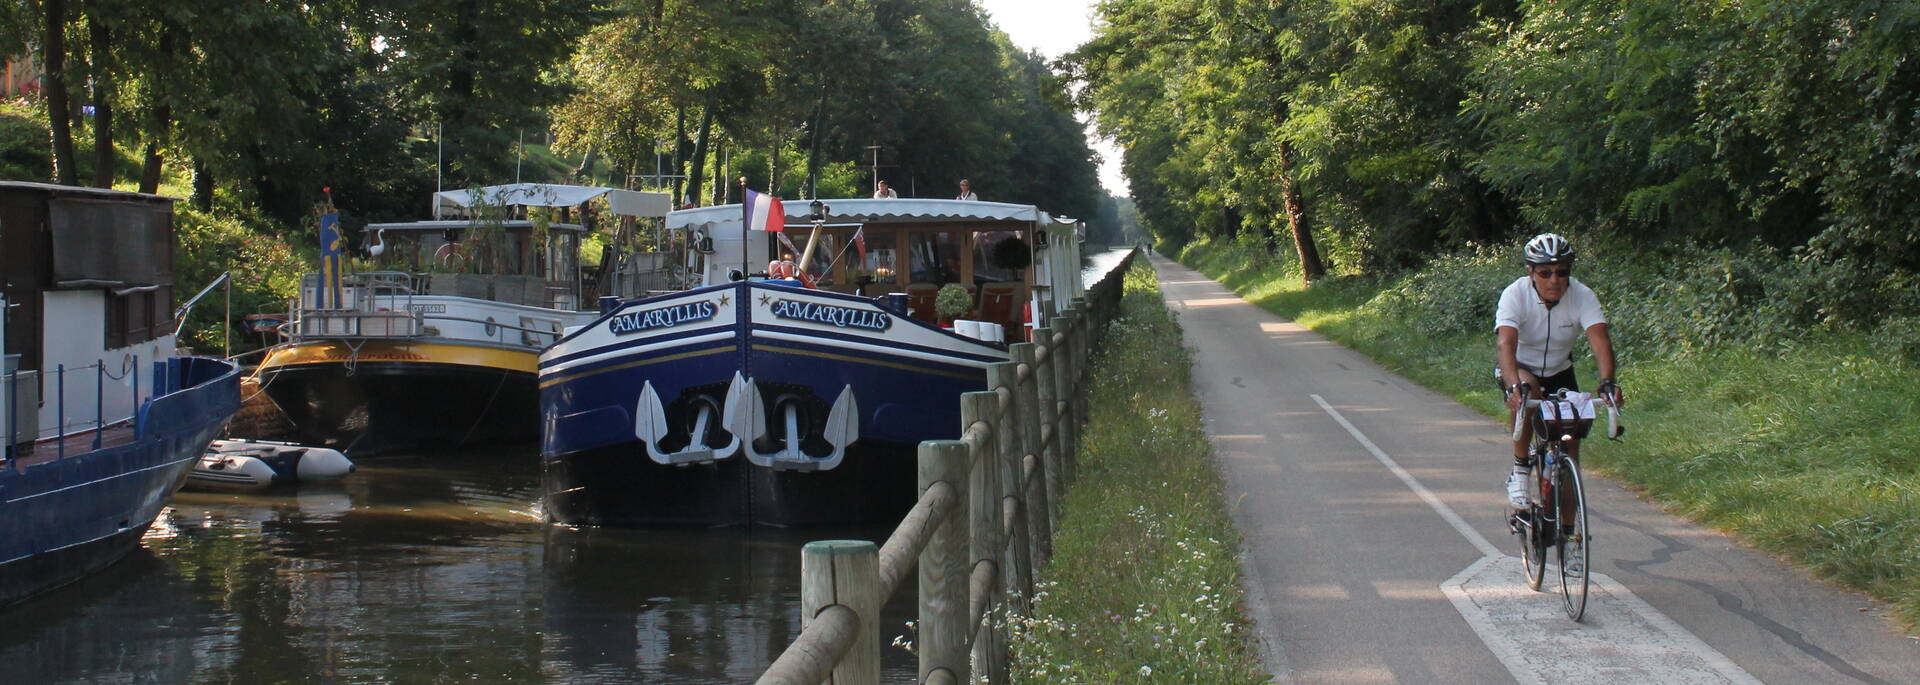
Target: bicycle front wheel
1575	544
1534	533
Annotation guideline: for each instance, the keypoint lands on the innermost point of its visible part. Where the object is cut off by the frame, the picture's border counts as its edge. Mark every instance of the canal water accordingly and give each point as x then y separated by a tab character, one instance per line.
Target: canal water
428	568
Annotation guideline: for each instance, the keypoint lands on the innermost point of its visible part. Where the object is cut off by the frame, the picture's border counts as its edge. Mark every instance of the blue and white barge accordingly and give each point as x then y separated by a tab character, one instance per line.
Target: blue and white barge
799	401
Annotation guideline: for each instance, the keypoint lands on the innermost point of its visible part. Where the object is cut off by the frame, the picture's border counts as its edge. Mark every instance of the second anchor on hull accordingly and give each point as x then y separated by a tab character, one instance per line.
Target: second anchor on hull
743	416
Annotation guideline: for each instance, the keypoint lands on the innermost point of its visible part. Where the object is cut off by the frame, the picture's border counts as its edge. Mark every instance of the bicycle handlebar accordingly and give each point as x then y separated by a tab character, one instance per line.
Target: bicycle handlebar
1614	429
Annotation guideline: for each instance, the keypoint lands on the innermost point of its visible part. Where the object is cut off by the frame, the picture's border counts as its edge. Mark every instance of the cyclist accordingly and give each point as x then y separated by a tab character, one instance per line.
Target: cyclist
1540	316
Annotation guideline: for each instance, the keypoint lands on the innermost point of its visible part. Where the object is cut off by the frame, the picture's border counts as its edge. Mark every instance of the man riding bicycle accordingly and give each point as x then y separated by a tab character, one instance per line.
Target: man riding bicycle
1540	316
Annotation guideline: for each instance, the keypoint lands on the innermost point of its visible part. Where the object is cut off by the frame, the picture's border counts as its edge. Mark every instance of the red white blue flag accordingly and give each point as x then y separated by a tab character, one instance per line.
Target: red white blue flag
763	212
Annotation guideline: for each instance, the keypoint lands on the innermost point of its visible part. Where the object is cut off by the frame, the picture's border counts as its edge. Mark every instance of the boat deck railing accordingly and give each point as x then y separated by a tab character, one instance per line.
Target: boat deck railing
94	407
384	305
989	503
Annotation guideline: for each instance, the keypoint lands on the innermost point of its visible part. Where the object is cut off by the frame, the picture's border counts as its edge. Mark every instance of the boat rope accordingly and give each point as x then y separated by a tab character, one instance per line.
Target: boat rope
352	362
126	364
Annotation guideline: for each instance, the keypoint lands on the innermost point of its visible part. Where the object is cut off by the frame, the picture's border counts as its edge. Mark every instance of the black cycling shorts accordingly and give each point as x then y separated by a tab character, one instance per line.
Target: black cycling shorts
1559	381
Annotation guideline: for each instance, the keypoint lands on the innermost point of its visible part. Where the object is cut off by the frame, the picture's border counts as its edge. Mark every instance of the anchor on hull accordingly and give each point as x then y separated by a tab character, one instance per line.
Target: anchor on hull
841	429
744	415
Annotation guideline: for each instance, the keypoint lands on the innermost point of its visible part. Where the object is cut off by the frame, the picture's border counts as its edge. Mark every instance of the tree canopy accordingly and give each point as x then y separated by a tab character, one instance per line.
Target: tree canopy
1389	129
265	104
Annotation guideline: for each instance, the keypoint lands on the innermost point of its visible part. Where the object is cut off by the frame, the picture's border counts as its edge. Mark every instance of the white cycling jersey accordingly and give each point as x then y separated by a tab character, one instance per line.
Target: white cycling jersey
1547	334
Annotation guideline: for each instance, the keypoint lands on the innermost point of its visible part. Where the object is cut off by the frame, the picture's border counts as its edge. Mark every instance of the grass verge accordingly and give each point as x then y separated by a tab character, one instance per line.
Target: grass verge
1144	582
1797	442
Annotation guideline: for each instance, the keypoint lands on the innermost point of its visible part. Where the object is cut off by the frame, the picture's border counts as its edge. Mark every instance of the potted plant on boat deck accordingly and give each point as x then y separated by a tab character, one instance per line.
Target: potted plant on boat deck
951	302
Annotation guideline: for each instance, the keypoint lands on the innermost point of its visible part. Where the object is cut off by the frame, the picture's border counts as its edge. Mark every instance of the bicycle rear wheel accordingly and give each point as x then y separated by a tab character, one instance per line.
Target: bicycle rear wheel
1575	544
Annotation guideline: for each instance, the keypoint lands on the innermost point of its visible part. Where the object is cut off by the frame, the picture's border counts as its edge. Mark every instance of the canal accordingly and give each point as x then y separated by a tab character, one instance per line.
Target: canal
428	568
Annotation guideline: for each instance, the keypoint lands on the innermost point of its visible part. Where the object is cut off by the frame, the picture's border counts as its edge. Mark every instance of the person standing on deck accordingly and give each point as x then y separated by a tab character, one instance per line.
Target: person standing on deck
966	191
882	191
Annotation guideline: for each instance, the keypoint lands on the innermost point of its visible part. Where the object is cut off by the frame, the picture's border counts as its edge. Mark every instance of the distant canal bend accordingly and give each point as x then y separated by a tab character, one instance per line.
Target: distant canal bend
427	569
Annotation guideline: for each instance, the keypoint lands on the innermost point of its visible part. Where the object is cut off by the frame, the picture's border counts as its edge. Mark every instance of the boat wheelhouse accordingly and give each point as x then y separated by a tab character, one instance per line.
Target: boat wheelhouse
101	421
438	344
755	401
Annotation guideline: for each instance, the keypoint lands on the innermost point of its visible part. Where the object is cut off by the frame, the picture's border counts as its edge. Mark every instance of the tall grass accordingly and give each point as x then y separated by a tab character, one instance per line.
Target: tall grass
1144	583
1763	400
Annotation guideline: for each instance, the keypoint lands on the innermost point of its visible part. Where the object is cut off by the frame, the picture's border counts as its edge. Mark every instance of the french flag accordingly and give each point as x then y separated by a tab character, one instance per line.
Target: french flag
763	212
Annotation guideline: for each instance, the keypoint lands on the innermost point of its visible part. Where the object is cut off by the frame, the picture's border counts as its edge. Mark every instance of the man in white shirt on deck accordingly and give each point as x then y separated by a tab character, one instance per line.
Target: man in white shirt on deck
1540	317
966	191
881	191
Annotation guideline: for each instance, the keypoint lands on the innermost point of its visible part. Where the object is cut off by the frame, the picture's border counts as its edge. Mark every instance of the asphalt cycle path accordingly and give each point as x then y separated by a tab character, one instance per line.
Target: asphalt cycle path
1376	548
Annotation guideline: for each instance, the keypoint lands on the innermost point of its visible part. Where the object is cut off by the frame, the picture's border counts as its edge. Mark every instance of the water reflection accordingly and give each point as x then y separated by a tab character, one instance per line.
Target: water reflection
422	570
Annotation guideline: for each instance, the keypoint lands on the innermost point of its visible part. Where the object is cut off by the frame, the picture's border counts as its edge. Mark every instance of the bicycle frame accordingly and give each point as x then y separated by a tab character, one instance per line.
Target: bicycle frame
1557	518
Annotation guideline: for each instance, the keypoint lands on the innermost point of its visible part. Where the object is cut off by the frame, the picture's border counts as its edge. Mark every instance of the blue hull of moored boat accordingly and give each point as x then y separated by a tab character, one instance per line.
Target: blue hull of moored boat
62	517
898	378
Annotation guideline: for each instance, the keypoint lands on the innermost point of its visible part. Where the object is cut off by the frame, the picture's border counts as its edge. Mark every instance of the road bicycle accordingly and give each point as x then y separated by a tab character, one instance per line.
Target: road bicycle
1555	520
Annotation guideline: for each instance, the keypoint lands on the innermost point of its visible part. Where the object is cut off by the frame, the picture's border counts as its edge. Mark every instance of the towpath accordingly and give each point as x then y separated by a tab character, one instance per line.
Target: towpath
1376	551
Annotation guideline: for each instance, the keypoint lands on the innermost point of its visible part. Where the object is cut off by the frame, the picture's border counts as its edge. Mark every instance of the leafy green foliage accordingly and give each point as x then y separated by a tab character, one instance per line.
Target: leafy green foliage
265	272
1419	128
23	150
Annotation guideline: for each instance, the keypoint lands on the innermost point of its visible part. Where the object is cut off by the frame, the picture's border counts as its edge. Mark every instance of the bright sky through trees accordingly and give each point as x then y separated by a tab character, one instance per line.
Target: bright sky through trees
1055	27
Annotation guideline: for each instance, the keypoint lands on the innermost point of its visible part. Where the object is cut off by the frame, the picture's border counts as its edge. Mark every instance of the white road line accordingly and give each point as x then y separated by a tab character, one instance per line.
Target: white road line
1473	536
1623	639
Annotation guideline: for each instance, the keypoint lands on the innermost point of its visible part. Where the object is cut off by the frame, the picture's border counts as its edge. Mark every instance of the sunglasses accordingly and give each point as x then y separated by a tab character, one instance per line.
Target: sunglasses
1562	272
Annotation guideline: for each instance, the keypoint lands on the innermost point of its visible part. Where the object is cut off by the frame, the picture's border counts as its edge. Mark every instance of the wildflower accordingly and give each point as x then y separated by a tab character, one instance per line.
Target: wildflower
1146	670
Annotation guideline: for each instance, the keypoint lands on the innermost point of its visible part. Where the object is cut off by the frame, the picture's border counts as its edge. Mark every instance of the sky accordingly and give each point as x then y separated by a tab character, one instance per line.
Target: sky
1056	27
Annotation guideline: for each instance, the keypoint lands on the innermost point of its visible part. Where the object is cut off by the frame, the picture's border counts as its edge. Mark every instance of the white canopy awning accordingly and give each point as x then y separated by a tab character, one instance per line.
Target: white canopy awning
624	202
723	221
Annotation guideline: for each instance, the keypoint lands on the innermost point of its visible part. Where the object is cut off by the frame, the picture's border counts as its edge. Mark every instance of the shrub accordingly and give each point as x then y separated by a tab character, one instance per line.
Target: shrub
265	271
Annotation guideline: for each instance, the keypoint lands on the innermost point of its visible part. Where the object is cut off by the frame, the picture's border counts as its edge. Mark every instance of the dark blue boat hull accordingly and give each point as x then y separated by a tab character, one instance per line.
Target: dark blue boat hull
64	518
803	346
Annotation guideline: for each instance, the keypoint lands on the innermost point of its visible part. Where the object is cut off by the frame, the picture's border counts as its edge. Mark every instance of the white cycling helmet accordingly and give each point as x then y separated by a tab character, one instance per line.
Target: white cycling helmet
1548	248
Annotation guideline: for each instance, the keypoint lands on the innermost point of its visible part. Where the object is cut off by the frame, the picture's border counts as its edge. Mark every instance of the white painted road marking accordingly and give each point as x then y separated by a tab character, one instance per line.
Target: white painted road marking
1623	639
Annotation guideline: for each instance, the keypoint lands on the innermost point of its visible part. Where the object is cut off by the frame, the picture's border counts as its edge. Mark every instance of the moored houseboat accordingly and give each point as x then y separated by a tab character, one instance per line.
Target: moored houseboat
101	422
747	400
438	345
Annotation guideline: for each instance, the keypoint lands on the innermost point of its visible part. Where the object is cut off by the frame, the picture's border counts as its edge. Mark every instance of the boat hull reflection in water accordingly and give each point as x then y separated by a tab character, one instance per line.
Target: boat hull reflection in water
419	570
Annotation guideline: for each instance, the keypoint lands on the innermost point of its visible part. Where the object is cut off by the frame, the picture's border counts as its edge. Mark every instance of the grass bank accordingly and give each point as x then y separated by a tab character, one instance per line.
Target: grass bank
1144	582
1751	411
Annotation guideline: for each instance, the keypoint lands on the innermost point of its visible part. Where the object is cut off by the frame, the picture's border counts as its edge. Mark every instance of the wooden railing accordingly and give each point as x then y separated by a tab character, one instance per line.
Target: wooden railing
989	503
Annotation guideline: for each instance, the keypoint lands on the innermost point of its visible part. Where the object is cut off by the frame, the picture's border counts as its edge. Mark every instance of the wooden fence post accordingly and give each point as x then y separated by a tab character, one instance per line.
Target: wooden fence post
1039	506
845	573
1070	387
943	566
1082	356
1019	562
986	543
1041	390
1055	453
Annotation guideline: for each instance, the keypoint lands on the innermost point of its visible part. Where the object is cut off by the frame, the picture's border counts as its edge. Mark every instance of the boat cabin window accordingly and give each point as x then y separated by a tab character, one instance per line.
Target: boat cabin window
138	315
935	257
420	251
1000	256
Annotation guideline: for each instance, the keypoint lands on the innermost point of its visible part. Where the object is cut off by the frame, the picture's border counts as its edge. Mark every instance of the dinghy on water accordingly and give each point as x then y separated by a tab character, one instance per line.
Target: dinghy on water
256	465
791	402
